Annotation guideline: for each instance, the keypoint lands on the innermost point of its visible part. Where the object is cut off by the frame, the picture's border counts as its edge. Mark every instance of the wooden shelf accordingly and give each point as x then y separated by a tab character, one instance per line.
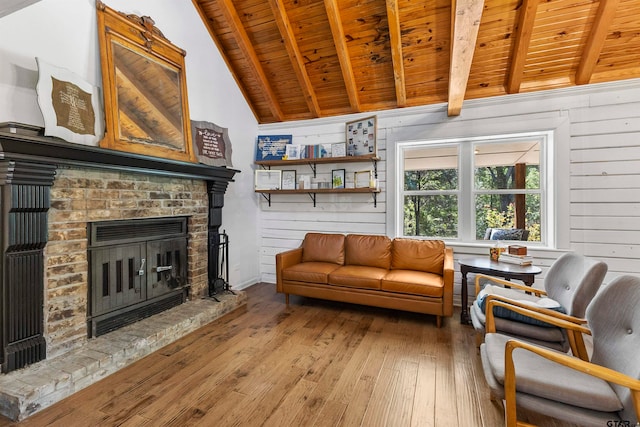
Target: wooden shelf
346	159
313	191
322	190
267	164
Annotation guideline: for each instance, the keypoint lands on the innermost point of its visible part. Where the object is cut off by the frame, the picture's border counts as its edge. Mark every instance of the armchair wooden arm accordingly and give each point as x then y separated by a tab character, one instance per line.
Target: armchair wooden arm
573	325
572	362
537	292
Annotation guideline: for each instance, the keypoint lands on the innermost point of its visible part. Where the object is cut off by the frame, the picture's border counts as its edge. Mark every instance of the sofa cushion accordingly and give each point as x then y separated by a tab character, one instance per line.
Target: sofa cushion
420	255
372	251
310	272
320	247
357	276
413	282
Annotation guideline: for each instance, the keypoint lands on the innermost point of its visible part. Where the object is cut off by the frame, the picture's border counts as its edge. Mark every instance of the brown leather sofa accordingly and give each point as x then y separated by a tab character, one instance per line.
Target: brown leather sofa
404	274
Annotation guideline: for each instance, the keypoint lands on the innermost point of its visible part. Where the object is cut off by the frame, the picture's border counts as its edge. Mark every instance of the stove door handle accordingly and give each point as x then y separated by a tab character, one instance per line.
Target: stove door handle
162	268
141	269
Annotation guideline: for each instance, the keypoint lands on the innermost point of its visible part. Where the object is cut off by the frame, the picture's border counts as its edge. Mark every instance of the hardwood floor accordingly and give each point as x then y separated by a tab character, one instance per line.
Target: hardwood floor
314	363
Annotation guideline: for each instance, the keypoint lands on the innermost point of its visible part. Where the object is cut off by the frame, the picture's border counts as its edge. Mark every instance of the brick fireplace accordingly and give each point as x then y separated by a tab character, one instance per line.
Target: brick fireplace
50	192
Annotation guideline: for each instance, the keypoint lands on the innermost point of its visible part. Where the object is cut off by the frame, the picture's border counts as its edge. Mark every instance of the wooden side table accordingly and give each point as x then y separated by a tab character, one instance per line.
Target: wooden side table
484	265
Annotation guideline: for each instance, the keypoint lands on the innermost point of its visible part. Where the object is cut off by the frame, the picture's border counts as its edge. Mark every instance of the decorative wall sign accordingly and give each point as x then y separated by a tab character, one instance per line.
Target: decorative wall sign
70	105
361	137
211	143
272	147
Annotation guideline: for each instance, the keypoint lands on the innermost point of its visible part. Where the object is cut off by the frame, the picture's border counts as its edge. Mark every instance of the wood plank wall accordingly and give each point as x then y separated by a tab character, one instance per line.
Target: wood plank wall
597	136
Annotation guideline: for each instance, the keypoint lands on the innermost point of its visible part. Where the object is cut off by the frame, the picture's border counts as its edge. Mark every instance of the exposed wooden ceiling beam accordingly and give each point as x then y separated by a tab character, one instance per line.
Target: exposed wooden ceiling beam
395	39
223	52
465	17
592	49
522	39
282	20
340	42
244	43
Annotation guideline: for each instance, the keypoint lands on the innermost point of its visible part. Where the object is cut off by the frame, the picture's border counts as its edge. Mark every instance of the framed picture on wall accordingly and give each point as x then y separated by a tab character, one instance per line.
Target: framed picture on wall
361	137
337	178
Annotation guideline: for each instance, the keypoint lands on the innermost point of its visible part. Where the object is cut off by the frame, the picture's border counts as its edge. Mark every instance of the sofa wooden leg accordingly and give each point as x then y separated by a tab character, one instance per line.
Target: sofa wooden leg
438	321
286	299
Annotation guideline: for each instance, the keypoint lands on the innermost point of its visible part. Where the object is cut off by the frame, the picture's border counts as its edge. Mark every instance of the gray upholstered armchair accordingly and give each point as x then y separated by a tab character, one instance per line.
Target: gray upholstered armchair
570	284
598	392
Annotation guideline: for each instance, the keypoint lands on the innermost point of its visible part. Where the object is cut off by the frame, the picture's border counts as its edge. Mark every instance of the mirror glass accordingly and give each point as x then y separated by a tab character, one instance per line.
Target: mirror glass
148	96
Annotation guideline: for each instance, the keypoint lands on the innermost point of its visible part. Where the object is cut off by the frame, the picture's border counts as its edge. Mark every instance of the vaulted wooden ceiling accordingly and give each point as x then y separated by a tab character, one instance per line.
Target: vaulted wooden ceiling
302	59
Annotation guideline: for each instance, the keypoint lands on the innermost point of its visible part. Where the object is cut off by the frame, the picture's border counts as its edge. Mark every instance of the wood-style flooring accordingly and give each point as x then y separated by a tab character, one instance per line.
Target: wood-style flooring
313	363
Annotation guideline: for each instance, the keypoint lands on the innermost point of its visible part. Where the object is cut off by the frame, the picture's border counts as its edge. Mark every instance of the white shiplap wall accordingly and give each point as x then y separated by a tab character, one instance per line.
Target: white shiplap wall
597	154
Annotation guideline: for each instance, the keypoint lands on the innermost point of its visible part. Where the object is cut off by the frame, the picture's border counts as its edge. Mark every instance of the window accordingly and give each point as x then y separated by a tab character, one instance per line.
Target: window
460	189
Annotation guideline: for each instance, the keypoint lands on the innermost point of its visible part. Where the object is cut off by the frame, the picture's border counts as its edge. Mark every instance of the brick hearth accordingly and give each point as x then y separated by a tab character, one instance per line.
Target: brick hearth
31	389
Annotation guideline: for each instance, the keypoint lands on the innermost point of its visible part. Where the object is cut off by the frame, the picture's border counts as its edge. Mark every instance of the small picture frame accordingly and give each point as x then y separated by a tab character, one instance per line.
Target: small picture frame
361	137
267	179
337	178
288	180
292	152
339	149
362	179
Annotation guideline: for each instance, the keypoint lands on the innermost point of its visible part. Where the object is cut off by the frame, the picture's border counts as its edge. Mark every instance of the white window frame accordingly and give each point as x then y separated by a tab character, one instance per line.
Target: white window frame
466	191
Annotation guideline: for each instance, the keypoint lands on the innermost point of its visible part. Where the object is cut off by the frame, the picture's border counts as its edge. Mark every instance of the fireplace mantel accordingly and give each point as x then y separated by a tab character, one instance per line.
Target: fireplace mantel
40	149
29	164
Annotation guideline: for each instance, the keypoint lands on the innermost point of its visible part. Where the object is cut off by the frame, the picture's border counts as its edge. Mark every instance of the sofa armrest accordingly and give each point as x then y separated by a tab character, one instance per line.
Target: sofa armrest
284	260
447	276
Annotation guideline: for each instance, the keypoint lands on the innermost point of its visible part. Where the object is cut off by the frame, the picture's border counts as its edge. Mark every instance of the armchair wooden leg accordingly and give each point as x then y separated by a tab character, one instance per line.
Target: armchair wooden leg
286	299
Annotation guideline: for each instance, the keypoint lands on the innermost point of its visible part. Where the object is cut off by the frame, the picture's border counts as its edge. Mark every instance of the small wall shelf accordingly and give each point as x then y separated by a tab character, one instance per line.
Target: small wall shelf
267	164
313	191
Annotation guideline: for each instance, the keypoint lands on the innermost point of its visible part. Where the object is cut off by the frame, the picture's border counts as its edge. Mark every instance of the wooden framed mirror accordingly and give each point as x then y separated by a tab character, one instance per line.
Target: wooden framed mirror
145	90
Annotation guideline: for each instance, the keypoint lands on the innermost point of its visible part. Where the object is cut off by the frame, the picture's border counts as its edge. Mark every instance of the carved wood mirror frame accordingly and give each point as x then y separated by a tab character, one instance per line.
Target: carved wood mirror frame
145	90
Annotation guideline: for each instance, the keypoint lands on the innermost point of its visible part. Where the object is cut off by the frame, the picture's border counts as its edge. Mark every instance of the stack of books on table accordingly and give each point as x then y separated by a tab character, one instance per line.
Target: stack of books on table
515	259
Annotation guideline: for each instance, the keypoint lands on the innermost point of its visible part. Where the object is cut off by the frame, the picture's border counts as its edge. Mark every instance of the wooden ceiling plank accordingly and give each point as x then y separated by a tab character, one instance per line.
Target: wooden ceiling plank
231	16
465	16
343	54
526	20
597	36
282	20
225	55
395	39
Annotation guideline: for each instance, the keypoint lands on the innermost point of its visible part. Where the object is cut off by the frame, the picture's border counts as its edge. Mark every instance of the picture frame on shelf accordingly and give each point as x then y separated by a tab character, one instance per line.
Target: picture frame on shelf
272	147
292	152
337	178
338	149
362	179
361	137
268	179
288	180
